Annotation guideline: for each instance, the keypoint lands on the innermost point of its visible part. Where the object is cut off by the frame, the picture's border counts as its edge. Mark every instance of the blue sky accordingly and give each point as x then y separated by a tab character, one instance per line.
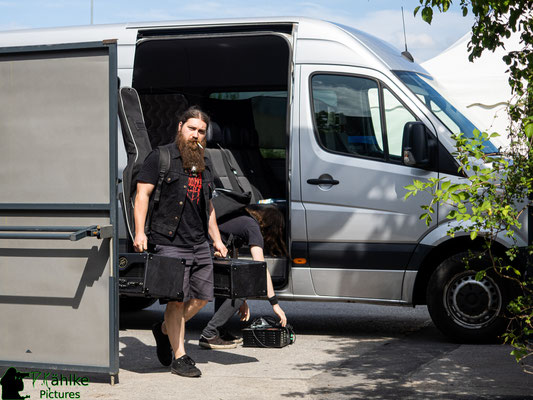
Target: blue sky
381	18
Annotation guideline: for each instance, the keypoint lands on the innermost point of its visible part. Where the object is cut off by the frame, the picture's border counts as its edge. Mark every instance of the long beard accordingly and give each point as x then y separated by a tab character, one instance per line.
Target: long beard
191	154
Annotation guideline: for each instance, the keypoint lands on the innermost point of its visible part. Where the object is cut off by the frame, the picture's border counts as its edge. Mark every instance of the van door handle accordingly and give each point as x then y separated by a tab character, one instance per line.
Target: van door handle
323	181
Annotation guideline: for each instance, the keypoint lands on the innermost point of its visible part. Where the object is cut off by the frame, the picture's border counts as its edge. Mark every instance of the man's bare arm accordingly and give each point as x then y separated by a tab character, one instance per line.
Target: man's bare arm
214	233
142	199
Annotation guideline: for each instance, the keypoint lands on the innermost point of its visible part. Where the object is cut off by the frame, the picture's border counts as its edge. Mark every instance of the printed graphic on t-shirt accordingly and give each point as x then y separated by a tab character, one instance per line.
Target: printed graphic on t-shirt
193	191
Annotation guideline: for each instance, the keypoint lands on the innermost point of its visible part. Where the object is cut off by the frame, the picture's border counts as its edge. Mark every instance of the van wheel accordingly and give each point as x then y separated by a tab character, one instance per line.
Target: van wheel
464	309
131	304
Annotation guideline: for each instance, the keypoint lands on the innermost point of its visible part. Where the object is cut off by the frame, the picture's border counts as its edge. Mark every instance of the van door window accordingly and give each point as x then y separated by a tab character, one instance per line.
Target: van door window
345	115
349	118
396	116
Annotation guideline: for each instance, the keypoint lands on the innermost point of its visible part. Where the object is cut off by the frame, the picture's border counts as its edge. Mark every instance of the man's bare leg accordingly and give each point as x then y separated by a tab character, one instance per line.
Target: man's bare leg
192	307
176	314
174	327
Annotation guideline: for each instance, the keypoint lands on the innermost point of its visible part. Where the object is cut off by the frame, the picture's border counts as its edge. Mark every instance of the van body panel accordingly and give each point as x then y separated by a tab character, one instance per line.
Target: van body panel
298	225
439	235
390	56
360	255
408	286
298	231
322	51
302	283
377	284
320	42
126	55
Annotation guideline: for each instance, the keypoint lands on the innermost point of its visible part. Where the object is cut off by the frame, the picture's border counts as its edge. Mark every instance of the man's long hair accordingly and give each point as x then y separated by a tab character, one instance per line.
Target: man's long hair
191	154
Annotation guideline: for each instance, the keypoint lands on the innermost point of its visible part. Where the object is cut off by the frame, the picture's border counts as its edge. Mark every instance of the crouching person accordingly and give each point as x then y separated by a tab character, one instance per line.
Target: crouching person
259	227
179	227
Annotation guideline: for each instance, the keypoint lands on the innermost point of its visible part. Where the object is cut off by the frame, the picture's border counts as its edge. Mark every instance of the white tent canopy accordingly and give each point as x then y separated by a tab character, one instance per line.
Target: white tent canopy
480	89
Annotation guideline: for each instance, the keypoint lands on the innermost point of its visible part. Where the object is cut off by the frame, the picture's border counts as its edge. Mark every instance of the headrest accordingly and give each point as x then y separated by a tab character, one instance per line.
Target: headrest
214	135
233	137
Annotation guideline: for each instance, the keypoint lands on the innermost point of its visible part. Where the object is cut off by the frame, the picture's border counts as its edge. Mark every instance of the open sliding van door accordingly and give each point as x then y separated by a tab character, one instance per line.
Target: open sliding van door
58	208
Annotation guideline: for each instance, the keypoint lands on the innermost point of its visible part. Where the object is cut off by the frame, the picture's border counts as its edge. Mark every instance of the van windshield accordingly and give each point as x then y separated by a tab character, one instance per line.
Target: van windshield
427	90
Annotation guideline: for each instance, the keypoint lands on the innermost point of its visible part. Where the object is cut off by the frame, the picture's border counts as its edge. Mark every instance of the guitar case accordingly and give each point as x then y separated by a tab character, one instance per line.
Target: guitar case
137	145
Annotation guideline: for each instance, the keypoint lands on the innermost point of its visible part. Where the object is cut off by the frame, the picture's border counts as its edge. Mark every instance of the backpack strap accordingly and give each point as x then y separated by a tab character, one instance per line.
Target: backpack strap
164	165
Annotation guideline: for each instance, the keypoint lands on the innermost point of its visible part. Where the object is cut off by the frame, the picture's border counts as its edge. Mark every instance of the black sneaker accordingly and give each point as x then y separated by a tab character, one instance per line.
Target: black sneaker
189	359
230	337
185	366
216	343
164	351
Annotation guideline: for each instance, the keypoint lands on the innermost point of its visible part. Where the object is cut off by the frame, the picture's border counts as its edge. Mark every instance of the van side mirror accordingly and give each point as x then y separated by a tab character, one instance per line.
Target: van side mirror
416	145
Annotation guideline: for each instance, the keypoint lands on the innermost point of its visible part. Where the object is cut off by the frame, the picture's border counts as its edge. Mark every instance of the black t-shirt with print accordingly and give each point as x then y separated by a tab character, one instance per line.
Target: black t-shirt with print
190	230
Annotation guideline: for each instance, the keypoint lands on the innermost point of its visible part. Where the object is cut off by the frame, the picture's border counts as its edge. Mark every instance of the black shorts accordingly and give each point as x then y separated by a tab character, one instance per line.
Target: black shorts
198	275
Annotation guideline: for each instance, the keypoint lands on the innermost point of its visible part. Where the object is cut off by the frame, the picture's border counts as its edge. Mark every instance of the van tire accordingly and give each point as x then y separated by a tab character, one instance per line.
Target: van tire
466	310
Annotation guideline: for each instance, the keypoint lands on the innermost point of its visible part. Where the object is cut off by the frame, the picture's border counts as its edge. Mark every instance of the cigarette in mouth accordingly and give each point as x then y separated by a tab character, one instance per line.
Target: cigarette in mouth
199	145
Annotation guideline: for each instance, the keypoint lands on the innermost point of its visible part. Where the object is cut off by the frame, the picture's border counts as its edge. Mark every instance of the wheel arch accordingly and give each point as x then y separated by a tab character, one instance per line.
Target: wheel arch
438	254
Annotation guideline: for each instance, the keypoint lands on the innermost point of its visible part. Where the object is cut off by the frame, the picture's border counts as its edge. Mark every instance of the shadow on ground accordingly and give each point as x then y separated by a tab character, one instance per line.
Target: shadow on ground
138	357
417	366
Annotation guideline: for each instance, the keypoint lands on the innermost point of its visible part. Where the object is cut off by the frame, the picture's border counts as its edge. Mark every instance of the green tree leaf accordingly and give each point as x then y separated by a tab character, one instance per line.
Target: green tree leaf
489	202
427	14
529	130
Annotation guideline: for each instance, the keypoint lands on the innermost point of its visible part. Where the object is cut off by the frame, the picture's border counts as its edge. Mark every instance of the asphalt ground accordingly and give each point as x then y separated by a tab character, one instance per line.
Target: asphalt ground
342	351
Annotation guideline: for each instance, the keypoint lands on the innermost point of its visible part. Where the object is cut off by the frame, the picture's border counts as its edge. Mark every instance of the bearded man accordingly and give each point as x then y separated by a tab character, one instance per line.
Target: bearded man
179	228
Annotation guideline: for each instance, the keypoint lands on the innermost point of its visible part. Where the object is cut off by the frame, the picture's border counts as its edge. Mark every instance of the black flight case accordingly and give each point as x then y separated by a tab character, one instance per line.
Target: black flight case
234	278
150	275
155	276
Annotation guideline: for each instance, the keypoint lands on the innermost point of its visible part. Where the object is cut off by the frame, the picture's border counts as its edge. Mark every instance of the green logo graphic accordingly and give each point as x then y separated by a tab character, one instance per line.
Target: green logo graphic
52	385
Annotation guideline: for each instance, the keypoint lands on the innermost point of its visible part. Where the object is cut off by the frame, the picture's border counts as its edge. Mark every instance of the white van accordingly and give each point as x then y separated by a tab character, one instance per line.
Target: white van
314	113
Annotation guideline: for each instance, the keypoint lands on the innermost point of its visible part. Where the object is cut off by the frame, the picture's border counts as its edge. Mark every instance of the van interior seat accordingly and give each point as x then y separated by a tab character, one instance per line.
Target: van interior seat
236	119
214	136
225	164
161	116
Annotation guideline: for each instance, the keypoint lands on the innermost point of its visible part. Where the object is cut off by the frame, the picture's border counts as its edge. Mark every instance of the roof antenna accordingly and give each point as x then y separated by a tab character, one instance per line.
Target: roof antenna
406	53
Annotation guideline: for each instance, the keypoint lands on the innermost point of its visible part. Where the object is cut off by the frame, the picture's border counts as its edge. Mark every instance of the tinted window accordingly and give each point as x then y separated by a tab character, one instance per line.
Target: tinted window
346	110
268	118
349	118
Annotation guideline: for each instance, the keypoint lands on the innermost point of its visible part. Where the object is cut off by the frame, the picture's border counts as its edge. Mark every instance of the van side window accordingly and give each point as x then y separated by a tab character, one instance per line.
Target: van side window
346	113
350	118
